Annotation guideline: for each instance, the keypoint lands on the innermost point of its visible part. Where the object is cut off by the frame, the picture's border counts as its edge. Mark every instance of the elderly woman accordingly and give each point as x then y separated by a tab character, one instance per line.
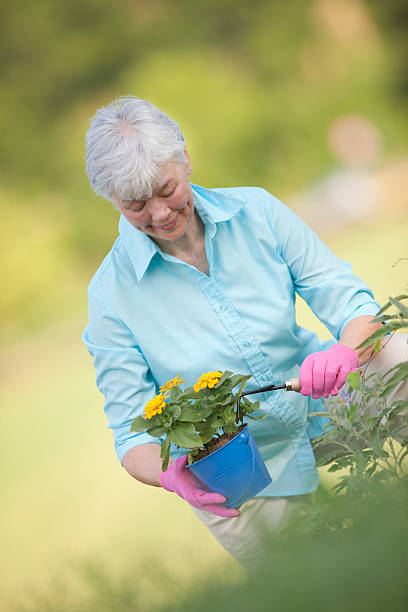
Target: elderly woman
206	279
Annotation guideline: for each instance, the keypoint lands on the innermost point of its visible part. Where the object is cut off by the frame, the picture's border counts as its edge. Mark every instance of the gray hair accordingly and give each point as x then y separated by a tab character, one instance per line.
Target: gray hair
126	144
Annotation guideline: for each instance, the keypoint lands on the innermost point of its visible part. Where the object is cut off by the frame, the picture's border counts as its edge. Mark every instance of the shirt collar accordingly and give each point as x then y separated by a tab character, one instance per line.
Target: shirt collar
213	206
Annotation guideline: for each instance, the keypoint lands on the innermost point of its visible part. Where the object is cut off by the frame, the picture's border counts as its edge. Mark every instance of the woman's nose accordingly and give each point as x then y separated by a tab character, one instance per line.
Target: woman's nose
159	210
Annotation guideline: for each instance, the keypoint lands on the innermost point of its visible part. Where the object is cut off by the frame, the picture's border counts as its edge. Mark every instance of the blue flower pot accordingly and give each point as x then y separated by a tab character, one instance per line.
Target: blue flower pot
235	470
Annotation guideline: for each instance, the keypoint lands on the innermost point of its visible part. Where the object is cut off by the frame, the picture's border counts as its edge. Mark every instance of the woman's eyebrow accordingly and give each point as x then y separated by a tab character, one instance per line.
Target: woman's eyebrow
166	184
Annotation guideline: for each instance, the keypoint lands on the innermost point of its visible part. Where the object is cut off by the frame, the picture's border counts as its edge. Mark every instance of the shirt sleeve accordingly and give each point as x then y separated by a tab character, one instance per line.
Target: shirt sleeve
122	373
327	284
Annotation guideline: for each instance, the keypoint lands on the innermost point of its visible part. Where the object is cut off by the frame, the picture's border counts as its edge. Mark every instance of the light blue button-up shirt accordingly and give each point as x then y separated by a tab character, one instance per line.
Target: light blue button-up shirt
153	316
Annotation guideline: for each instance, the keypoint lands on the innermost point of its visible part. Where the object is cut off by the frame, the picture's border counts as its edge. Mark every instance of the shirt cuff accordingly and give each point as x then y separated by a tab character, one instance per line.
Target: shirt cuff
369	309
122	448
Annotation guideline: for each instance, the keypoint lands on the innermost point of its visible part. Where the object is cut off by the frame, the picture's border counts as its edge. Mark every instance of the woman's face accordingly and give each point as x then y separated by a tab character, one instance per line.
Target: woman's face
167	214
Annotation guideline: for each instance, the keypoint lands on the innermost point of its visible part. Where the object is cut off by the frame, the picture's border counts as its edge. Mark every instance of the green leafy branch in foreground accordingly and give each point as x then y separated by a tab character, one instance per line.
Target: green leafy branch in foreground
368	430
192	417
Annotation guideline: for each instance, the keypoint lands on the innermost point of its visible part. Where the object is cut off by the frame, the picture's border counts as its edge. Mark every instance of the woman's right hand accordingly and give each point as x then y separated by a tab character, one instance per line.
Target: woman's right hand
181	481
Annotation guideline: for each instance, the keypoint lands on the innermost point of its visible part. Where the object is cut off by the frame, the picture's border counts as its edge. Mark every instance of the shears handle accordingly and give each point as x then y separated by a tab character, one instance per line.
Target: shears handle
293	385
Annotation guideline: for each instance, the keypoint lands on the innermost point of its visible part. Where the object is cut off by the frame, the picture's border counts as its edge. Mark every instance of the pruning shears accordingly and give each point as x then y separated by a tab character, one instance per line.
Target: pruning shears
290	385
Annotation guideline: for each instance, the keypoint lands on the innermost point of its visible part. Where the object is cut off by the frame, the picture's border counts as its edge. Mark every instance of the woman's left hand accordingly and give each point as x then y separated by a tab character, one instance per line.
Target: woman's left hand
325	372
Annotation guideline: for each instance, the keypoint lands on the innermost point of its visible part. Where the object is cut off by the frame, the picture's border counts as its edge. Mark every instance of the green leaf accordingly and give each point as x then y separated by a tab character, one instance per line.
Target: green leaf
400	374
206	432
388	304
165	454
156	431
399	405
257	418
165	447
401	307
352	412
224	376
335	467
190	394
354	379
194	414
173	410
229	418
183	434
249	407
388	317
215	421
402	456
236	379
225	399
139	424
175	394
227	412
377	335
329	457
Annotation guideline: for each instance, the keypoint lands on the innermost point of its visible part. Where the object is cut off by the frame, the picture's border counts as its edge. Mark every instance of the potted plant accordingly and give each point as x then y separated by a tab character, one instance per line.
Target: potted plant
207	421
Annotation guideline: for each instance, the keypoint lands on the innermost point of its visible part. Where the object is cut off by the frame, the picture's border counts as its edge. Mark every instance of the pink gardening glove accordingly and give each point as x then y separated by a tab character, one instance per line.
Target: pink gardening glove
325	372
181	481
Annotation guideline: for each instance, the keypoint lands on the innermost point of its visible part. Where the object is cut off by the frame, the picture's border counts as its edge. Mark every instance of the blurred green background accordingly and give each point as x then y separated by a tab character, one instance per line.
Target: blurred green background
306	99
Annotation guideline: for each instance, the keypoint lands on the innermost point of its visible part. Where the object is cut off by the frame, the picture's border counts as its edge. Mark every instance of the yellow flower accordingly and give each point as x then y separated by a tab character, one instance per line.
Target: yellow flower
155	406
207	380
174	382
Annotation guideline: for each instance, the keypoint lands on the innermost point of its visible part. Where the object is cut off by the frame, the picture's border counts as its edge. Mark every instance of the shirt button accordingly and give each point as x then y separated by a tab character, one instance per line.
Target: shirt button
223	307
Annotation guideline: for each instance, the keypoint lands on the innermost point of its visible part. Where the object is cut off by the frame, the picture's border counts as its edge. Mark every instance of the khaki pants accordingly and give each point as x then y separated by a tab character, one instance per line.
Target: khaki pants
241	536
244	536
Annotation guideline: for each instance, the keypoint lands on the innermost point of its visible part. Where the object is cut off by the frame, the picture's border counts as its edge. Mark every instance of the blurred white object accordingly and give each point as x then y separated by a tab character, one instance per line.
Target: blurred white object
345	196
354	140
352	192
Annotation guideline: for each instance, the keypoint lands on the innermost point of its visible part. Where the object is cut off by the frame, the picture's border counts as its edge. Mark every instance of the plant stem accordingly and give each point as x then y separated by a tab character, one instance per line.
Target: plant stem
241	388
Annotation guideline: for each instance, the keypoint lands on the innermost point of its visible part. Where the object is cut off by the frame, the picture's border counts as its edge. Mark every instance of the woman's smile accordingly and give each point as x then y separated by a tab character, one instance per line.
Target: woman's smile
169	227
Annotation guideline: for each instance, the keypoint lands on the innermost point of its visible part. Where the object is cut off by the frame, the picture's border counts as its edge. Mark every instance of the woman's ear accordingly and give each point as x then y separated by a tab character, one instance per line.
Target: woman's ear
187	161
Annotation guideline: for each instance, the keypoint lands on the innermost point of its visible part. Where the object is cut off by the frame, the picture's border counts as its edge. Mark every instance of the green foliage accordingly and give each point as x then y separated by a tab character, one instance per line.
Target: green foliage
393	17
54	54
358	566
353	559
192	418
353	379
364	432
280	75
62	59
391	322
